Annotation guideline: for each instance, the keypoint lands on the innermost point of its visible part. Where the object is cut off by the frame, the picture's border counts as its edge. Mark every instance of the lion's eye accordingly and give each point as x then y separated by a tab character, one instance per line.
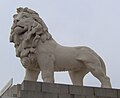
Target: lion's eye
24	16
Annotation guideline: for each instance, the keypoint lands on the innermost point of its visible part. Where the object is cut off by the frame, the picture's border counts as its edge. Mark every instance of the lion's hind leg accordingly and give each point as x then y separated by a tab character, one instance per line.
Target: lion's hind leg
100	75
77	76
93	64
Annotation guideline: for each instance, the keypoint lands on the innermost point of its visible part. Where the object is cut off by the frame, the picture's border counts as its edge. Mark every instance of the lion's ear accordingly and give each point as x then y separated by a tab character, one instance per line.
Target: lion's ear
26	9
14	16
20	9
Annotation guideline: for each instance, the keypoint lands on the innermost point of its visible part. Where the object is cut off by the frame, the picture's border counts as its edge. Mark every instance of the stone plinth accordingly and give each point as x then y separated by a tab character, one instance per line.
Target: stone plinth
30	89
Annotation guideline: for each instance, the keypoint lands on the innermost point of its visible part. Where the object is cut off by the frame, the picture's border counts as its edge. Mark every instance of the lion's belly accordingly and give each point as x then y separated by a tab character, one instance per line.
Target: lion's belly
65	65
66	59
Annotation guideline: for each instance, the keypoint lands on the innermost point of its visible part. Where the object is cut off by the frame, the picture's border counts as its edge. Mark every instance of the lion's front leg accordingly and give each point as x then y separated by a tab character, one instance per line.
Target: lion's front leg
46	64
31	75
47	76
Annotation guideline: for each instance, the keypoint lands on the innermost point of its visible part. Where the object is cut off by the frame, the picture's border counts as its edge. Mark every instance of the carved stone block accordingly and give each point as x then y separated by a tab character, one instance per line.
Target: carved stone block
112	93
81	90
56	88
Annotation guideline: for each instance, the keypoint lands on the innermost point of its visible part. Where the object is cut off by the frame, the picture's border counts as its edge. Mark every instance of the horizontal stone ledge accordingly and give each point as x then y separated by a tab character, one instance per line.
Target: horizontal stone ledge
54	90
44	87
69	89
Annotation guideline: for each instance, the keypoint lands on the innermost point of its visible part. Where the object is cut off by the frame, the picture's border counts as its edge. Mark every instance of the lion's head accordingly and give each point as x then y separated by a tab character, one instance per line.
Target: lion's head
26	20
27	30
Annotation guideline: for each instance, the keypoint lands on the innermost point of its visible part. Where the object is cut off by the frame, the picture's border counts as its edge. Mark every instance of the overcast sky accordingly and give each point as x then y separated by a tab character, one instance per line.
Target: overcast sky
92	23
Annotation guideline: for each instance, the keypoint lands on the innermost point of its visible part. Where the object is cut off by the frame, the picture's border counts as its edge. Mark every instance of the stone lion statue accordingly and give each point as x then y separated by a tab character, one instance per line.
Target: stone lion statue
39	52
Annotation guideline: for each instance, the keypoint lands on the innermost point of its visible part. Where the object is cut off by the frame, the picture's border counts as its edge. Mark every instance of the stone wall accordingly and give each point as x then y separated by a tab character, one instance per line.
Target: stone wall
30	89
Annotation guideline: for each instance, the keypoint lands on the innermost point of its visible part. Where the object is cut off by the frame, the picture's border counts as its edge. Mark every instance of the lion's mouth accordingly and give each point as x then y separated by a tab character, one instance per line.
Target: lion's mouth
20	29
20	26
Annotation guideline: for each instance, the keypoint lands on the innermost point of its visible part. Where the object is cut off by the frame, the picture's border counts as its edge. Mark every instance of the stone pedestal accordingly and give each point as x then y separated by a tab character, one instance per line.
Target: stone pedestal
29	89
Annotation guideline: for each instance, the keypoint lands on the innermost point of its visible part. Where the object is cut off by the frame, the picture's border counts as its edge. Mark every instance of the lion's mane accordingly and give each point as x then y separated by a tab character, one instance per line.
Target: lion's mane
26	46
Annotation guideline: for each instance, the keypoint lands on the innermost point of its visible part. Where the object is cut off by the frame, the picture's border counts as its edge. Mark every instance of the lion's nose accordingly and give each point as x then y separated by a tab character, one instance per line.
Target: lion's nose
16	20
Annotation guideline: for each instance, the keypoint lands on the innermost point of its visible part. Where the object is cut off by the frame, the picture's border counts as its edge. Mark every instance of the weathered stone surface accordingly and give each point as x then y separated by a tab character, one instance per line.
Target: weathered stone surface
13	91
31	85
81	90
56	88
102	92
64	96
30	94
102	97
91	96
118	93
8	97
49	95
29	89
79	96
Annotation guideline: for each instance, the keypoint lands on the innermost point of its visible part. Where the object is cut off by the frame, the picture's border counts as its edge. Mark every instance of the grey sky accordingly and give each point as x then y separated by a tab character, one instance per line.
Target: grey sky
93	23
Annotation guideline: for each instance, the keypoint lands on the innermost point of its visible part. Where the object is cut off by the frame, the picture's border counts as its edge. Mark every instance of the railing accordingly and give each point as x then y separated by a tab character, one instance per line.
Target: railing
6	87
